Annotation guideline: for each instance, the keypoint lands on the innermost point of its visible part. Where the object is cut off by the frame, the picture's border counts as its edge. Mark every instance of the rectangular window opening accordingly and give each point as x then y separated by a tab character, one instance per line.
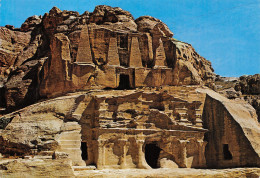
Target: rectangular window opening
227	154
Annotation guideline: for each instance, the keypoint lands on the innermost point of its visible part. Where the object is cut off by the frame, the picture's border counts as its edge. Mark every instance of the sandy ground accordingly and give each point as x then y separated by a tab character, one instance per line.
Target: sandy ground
27	168
158	173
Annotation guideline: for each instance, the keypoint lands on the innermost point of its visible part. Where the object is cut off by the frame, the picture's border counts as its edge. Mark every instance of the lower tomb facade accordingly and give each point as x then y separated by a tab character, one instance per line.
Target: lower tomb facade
163	127
143	130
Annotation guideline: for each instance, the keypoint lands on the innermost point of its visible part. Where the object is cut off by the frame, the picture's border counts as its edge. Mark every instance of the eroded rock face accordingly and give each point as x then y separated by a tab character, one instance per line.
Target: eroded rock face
117	16
101	48
225	117
190	67
148	24
21	78
249	84
242	88
31	23
21	89
12	44
36	167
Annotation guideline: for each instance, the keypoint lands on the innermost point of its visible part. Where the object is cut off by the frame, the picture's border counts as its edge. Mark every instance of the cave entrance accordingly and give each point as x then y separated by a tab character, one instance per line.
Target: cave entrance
124	82
152	153
84	151
227	154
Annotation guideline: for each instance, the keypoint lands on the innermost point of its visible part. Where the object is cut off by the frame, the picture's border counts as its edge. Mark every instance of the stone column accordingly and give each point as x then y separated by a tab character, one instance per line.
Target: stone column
101	154
183	115
183	154
201	146
198	116
142	164
124	144
90	152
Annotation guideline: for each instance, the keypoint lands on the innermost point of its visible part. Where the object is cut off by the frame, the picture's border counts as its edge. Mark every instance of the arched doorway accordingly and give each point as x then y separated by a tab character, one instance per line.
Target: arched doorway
152	153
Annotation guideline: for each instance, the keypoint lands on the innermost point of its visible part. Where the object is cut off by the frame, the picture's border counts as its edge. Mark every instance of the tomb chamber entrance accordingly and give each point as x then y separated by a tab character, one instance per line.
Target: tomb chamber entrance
84	151
124	82
152	152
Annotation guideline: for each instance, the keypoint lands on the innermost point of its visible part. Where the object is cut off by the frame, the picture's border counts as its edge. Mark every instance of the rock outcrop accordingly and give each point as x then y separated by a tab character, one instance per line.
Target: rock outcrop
223	118
12	44
242	88
249	84
36	167
95	50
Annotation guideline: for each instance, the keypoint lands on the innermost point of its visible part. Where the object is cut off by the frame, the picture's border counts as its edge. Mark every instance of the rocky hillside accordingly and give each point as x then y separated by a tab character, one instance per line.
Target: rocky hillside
243	88
28	72
81	94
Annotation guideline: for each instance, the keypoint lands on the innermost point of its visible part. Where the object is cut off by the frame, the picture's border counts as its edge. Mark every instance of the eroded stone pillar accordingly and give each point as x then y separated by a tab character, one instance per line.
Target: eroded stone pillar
142	164
183	153
201	146
124	145
183	115
101	154
198	116
90	152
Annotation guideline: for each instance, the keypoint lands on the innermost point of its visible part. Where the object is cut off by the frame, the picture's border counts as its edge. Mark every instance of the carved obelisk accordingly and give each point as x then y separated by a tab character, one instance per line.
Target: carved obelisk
160	56
135	54
84	51
113	57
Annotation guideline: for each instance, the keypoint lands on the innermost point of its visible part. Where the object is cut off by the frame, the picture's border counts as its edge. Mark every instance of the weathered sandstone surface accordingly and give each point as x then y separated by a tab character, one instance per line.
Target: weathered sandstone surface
64	52
243	88
116	127
103	90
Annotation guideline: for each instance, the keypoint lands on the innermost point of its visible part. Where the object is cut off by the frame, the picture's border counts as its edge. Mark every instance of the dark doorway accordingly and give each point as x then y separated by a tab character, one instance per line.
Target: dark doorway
84	151
2	97
124	82
226	152
152	153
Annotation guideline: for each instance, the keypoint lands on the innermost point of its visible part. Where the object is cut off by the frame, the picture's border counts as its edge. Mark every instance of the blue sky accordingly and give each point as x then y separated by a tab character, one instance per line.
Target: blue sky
226	32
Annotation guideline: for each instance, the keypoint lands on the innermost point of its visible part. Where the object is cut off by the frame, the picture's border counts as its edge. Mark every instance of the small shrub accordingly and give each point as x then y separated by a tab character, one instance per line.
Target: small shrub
4	122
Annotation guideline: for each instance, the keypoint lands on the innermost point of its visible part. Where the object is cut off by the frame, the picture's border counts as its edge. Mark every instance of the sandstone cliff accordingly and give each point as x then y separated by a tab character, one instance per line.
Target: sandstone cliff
103	90
114	44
